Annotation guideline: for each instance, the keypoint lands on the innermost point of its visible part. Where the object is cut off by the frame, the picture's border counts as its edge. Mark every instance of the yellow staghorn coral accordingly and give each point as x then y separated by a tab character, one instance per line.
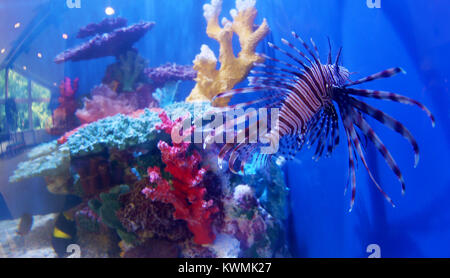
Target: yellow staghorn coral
233	70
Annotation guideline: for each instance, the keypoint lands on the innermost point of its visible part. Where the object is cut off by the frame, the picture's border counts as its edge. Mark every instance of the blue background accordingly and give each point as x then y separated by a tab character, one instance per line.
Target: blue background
412	34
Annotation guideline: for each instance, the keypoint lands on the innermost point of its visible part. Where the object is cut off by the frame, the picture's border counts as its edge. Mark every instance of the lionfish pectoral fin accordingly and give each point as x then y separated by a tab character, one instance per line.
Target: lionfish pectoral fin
356	141
390	122
322	131
383	95
379	75
373	137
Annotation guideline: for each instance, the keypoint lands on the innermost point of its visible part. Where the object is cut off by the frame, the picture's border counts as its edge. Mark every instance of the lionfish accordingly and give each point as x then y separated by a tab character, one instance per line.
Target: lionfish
307	93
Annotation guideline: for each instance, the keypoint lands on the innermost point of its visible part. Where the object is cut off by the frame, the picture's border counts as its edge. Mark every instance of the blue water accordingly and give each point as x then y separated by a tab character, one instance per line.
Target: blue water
412	34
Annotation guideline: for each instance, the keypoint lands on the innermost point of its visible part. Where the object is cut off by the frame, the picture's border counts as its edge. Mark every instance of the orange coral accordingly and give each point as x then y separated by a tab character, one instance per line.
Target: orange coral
233	70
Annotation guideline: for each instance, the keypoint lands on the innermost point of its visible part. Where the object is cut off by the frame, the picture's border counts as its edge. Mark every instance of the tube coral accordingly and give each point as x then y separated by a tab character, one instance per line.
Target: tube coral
186	192
233	70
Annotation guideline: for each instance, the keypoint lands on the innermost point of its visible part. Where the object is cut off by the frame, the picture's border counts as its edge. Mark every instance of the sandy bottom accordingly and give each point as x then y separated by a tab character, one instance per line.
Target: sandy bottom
36	244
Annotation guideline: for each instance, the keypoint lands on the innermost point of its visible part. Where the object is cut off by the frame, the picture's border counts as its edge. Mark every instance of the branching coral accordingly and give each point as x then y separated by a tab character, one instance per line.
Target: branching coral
233	70
186	193
64	116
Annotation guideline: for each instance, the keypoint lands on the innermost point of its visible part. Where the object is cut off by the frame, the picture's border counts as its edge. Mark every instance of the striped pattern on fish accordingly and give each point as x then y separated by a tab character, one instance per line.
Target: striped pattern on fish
307	94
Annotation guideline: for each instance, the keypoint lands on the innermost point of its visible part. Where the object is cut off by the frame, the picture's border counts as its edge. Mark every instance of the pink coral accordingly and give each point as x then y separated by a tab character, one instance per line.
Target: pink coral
106	102
67	88
64	116
186	192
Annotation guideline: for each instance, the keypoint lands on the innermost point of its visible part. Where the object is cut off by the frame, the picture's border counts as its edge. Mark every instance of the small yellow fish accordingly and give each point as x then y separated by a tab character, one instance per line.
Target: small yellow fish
64	233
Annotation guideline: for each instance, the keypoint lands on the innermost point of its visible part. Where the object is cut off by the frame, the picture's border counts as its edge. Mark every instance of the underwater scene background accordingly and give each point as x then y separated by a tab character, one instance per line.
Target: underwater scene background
87	161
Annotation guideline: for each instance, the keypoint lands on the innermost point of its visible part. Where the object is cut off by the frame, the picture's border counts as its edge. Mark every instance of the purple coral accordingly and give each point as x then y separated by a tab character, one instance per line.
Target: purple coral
169	72
107	25
108	44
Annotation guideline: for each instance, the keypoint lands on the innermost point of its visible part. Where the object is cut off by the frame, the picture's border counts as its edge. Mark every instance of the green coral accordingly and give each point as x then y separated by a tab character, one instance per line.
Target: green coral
107	207
122	132
49	159
128	70
166	95
117	132
88	224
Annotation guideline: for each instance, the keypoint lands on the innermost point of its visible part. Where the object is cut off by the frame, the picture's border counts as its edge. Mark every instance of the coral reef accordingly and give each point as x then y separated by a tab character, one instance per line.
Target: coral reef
51	161
150	219
106	208
169	72
64	116
105	26
94	175
259	234
105	102
117	132
126	71
166	95
186	192
233	70
127	87
143	194
269	187
155	196
107	44
122	132
128	84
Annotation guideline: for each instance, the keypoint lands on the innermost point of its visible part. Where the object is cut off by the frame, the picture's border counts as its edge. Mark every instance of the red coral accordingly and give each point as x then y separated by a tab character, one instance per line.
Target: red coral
186	193
64	116
68	89
63	139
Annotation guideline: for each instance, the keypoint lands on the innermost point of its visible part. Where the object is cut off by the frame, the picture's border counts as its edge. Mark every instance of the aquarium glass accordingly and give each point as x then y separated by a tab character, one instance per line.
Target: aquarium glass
17	85
224	128
41	112
2	101
2	84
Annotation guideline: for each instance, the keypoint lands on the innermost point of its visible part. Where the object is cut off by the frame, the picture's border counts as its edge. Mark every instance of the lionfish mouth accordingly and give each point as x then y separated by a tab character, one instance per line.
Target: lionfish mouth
312	98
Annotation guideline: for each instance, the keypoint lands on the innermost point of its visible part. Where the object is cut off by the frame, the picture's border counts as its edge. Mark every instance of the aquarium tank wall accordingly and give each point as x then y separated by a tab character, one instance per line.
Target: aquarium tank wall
186	128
